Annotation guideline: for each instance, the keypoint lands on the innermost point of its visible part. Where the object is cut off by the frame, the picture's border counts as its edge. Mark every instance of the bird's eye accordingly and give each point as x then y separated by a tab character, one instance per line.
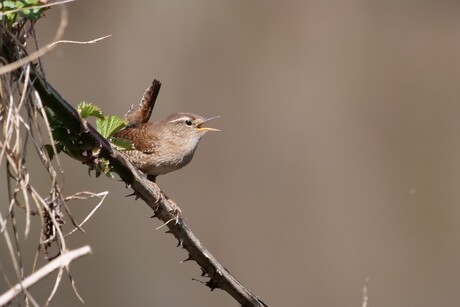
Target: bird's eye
188	122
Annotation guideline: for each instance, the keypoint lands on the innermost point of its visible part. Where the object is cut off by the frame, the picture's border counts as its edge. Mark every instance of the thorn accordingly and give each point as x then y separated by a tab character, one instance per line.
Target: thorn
132	194
188	259
179	242
203	272
154	215
201	282
127	185
168	231
212	284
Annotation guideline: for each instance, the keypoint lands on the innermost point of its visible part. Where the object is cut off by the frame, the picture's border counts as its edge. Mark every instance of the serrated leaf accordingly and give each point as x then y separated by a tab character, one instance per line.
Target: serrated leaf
32	2
29	9
31	14
122	144
87	109
110	125
8	4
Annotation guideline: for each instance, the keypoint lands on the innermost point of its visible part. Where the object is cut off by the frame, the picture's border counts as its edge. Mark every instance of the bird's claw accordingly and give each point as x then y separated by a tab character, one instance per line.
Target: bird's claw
175	211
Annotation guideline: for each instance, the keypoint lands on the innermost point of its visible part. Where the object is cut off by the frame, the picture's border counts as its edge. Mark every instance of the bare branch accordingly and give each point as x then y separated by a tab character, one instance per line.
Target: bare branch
20	124
80	42
62	261
87	195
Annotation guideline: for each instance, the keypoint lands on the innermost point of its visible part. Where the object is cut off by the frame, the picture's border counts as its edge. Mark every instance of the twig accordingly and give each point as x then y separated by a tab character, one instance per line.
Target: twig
60	262
79	42
40	52
152	195
19	111
86	195
9	244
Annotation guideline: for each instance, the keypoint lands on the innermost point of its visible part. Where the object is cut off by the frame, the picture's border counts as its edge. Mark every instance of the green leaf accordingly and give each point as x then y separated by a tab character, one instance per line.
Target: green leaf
110	125
82	149
122	144
87	109
8	4
104	167
29	10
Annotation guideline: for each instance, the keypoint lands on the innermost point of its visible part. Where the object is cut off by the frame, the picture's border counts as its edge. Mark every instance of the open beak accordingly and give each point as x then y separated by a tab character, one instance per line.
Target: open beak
199	127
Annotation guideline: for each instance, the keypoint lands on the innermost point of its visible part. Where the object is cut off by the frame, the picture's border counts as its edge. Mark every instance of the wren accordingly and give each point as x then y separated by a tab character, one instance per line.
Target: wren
166	145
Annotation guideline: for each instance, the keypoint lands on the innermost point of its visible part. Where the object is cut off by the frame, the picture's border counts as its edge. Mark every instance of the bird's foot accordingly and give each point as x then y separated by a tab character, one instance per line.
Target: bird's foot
175	211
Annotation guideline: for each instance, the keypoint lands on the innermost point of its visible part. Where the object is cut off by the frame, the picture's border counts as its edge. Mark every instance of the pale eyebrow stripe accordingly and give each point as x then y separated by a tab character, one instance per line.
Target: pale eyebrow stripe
180	119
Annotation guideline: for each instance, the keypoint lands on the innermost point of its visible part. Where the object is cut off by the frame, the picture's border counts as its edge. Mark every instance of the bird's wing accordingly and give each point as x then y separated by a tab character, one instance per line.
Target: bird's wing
143	139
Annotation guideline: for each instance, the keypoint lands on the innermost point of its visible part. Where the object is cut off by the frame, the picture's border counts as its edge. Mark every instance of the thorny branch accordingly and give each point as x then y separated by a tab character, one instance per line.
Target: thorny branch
38	95
153	196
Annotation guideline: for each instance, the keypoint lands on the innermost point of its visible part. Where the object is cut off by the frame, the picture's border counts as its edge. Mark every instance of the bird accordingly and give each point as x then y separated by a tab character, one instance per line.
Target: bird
166	145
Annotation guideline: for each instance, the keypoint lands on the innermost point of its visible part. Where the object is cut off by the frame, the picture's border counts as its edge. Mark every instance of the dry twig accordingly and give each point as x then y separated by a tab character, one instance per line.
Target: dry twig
24	127
61	262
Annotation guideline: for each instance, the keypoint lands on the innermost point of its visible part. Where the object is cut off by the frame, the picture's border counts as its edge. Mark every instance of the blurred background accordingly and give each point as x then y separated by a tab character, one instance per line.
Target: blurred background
338	164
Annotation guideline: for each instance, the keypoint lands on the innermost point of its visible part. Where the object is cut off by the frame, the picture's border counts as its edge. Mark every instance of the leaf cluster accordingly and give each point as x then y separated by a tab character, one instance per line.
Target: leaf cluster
107	126
29	9
84	149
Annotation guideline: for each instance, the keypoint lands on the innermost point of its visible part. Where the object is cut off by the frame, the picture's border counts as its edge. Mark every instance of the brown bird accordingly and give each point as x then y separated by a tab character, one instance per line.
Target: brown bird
166	145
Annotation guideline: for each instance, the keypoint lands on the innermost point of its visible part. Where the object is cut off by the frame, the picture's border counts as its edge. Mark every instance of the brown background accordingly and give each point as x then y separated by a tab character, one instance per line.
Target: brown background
338	160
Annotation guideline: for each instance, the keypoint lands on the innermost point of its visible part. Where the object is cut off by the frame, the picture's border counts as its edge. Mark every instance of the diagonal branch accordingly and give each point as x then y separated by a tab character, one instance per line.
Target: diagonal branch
150	192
